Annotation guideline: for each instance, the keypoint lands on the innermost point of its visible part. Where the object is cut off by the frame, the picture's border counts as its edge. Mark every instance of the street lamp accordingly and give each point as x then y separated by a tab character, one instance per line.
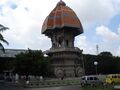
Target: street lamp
45	55
96	63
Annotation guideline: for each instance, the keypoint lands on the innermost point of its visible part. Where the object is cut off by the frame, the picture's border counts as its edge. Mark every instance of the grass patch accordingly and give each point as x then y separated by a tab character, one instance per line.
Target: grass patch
97	88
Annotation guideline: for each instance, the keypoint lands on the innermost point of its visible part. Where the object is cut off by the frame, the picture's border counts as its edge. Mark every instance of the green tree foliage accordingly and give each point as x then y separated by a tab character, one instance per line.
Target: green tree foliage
6	64
89	63
107	54
32	63
106	63
2	28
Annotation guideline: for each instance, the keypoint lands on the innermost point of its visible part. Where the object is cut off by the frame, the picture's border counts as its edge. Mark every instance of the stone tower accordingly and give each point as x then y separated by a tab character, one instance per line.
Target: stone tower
61	26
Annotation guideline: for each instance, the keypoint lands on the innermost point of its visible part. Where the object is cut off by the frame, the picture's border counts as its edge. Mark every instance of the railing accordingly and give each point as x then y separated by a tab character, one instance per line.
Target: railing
72	49
51	83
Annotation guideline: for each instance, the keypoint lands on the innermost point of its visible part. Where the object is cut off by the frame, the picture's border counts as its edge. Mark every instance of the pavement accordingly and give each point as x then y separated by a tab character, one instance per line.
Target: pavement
76	87
12	86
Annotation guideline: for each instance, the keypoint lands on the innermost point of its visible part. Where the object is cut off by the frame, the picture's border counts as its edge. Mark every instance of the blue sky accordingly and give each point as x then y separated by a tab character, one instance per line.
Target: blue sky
100	20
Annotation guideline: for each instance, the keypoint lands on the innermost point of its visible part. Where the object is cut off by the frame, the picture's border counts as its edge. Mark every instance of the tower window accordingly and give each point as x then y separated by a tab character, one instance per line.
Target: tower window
53	44
66	42
59	43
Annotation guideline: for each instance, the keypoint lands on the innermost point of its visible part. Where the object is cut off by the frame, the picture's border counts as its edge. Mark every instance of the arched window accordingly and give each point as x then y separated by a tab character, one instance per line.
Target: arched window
53	44
67	43
59	43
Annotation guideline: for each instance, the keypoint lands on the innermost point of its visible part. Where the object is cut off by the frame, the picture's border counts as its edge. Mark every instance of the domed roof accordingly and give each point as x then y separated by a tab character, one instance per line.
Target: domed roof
62	17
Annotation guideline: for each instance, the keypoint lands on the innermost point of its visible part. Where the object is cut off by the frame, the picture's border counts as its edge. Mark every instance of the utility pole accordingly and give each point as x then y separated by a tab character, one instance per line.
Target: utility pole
97	49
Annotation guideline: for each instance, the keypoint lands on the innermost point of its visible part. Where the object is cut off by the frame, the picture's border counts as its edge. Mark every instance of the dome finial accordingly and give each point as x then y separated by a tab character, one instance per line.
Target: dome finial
61	3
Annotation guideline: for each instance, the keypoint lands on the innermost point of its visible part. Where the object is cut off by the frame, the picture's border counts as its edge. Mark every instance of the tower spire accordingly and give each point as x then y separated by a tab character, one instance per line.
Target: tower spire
61	2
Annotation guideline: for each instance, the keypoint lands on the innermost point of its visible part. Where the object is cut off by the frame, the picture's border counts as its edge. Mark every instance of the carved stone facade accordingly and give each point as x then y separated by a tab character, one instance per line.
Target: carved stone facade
61	26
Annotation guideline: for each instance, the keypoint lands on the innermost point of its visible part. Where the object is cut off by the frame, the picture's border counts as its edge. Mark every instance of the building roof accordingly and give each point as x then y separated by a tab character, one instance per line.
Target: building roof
11	52
62	16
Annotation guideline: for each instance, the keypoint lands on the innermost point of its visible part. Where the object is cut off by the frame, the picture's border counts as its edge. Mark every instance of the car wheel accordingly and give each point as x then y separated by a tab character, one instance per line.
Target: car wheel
92	85
82	85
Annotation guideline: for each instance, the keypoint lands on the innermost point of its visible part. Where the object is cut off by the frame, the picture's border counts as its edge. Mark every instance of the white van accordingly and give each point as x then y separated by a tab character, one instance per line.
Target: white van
90	80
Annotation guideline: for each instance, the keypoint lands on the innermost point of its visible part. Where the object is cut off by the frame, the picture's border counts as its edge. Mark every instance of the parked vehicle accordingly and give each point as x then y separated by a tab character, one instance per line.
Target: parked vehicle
116	87
113	79
90	80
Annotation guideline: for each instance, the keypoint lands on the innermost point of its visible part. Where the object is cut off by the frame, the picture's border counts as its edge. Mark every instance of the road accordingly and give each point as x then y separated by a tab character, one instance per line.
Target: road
10	86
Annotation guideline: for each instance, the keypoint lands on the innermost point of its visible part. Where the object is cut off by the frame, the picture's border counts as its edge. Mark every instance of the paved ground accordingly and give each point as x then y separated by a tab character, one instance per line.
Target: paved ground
9	86
59	88
70	88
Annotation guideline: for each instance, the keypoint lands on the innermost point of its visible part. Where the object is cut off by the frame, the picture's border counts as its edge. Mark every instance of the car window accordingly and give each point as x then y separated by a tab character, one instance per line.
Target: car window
95	78
88	78
118	76
114	76
91	78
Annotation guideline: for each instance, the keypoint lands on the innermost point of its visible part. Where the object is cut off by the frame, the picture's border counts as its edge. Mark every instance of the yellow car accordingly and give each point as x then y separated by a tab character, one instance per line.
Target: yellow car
113	79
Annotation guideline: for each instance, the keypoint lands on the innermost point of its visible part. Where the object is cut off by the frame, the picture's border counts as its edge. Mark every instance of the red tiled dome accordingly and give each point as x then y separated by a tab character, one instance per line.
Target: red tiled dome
62	17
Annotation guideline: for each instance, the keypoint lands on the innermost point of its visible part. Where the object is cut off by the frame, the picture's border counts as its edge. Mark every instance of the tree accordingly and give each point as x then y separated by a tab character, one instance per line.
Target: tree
2	28
32	63
108	54
106	63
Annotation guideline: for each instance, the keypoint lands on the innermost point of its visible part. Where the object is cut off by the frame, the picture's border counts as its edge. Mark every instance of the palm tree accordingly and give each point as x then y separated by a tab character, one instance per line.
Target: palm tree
2	28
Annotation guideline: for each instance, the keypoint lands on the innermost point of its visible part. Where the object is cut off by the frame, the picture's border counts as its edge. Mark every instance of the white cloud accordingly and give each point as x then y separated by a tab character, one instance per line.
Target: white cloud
119	29
25	25
84	44
117	53
110	40
25	21
107	34
92	11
